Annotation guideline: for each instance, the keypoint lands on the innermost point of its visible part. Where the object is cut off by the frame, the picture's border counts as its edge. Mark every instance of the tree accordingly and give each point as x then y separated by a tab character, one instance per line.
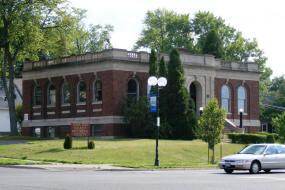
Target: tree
279	124
192	118
153	63
162	72
23	25
212	44
99	37
235	46
177	98
211	125
138	119
164	30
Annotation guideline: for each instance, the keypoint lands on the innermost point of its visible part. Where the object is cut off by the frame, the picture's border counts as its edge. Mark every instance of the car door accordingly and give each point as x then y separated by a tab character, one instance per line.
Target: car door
269	159
281	156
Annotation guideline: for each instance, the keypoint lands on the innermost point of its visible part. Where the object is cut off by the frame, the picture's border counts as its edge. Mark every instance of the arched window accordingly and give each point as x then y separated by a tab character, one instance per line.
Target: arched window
65	93
81	92
51	95
225	92
97	94
132	89
242	99
37	96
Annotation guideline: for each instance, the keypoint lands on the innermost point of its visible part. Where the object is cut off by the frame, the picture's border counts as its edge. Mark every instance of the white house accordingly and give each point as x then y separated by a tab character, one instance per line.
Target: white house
4	110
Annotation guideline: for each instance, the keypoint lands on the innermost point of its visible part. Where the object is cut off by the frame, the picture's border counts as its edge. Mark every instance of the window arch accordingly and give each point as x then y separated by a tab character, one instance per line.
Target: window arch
132	89
51	98
242	99
97	91
37	96
225	98
66	93
81	92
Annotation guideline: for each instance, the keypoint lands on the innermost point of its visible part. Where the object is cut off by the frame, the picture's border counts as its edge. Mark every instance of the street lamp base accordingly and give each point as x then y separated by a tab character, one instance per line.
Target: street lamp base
156	163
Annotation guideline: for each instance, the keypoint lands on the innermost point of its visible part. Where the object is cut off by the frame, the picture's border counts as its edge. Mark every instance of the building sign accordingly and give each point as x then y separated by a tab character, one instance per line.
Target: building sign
152	102
80	130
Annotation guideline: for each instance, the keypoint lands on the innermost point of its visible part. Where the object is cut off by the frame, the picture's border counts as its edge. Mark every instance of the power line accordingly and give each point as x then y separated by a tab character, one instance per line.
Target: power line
274	107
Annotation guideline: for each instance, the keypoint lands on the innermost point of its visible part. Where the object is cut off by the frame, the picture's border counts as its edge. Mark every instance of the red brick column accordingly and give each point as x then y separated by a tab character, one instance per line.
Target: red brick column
88	78
44	84
73	81
58	81
28	89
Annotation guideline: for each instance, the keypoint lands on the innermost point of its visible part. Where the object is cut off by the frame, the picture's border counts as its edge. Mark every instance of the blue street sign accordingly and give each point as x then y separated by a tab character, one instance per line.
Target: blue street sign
152	102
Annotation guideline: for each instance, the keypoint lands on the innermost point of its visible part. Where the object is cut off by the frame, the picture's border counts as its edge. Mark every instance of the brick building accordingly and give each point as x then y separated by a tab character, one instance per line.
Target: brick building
87	88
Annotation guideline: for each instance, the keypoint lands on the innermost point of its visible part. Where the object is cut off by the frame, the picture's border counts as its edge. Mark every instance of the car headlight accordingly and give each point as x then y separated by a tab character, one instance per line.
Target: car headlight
241	161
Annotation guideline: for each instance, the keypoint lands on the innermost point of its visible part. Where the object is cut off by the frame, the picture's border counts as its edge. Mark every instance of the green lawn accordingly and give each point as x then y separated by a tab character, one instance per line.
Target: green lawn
122	152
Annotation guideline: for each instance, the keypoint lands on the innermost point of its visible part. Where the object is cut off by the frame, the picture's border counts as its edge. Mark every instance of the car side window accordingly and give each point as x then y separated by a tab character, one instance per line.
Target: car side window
280	149
271	150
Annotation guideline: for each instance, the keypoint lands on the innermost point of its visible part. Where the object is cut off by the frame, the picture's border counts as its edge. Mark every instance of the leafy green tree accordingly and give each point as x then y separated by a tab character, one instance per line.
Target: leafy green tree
177	98
235	46
211	125
193	122
19	113
164	30
212	44
99	37
27	28
279	124
162	68
276	83
138	119
153	67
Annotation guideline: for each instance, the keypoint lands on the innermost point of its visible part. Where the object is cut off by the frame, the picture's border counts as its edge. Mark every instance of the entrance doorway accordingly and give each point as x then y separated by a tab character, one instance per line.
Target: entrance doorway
195	91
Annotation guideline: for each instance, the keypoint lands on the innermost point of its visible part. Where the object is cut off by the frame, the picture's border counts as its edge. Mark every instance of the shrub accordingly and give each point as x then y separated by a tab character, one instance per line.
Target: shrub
247	138
91	145
67	142
270	138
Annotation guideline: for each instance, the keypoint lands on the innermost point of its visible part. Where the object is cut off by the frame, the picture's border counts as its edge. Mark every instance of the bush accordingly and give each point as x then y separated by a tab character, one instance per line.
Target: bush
67	142
247	138
270	138
91	145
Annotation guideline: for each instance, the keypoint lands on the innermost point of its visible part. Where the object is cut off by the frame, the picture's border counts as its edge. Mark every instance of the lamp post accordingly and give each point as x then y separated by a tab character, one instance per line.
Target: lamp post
160	82
201	111
240	117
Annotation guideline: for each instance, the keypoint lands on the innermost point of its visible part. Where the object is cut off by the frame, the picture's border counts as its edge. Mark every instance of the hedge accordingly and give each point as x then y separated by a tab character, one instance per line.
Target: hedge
246	138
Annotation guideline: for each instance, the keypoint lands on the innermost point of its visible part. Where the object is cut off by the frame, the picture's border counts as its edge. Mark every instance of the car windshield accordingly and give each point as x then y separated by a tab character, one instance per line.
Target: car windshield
253	149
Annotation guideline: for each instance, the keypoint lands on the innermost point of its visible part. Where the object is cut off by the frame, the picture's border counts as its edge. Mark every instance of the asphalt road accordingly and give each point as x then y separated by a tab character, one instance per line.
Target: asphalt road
31	179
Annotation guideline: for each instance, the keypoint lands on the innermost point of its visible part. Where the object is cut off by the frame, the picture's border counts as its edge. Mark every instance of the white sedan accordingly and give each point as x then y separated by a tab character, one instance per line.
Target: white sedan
255	158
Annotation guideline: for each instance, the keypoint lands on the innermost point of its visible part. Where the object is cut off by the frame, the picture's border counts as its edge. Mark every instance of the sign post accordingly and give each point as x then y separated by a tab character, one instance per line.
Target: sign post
80	130
152	102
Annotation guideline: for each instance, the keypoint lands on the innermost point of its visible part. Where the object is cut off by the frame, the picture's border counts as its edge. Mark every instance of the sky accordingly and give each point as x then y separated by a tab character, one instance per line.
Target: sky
260	19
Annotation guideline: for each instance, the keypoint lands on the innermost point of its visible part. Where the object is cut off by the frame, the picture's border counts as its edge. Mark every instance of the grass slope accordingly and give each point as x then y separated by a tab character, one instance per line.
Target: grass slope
123	152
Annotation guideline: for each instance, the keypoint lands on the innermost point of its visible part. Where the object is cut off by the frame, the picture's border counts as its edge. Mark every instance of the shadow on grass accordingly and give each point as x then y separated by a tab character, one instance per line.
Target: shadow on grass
52	150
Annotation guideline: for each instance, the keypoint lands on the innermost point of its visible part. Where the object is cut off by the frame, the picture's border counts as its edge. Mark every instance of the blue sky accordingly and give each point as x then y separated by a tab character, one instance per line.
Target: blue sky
260	19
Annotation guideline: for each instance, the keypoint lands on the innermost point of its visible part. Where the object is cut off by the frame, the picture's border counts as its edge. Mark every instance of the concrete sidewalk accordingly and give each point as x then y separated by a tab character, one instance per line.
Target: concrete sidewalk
60	166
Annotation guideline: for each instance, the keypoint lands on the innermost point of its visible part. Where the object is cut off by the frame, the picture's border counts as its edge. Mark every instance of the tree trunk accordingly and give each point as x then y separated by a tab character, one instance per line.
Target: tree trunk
10	89
213	156
208	154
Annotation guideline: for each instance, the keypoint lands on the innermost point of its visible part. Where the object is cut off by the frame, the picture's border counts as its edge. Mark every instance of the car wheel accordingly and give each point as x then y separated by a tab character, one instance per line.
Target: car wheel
228	171
254	168
267	170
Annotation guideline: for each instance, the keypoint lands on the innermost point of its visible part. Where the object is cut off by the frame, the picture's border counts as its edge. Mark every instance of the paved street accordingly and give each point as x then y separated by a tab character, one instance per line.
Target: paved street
26	179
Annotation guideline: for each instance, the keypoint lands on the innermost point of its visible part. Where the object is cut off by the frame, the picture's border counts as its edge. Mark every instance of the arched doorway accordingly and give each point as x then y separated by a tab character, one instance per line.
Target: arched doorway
195	92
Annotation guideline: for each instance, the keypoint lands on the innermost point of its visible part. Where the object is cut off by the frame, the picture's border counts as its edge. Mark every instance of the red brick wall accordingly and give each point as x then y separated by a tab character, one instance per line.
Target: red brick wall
252	93
114	86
